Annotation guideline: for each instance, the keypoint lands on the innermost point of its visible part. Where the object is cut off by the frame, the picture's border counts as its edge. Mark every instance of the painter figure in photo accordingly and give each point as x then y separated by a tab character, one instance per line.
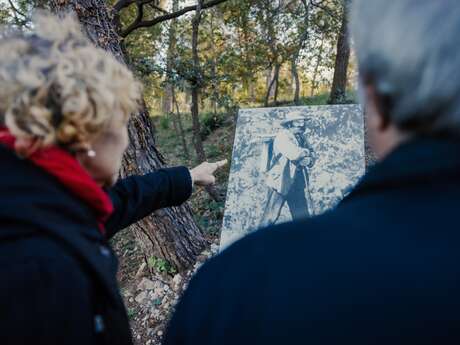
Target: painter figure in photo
287	159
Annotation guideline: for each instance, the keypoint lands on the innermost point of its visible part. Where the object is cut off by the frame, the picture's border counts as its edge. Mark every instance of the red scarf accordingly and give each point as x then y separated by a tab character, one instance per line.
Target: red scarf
63	166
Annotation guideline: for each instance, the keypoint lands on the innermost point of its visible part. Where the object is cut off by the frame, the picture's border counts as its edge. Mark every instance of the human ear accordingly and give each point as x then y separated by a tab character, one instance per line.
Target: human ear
82	151
376	116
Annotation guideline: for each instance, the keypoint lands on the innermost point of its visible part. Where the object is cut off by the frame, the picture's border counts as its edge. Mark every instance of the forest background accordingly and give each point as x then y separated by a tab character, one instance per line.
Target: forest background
200	62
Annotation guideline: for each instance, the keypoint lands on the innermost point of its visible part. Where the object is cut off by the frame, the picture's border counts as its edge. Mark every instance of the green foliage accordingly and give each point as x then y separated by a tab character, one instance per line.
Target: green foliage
161	265
320	99
210	122
323	98
4	14
213	151
210	219
239	42
131	313
165	122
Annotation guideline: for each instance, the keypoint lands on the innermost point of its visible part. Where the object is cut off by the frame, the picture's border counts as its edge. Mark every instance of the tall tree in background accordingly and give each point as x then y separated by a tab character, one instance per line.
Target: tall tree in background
196	84
170	104
314	78
167	106
172	233
301	13
268	14
241	58
339	83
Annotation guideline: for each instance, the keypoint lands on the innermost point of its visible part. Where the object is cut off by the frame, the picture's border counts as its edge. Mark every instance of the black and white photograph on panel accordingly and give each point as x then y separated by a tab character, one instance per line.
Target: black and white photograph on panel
291	163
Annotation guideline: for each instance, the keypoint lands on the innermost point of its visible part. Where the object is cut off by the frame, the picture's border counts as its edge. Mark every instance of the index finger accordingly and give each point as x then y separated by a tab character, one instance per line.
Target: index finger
221	163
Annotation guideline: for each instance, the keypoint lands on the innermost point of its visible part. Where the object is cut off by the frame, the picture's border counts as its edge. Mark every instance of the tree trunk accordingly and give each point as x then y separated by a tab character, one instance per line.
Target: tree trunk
272	89
304	34
277	79
167	104
252	90
314	81
196	86
171	233
166	101
215	88
180	126
295	76
339	84
268	85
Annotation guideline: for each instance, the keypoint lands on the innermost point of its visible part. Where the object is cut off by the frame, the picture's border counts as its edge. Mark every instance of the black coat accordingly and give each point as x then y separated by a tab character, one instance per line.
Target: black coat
382	268
57	271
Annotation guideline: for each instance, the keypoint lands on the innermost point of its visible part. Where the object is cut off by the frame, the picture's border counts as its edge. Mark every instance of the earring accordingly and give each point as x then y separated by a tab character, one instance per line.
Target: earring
91	153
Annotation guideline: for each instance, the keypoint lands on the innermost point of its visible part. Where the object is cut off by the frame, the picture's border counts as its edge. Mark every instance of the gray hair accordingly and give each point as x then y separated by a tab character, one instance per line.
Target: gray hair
410	51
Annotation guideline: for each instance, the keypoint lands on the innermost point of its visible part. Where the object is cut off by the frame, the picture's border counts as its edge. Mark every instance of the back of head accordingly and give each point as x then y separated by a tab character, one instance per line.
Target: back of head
409	50
56	86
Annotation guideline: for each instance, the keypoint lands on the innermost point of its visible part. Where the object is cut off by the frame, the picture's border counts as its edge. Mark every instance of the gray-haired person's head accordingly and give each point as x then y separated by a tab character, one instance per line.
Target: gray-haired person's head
409	50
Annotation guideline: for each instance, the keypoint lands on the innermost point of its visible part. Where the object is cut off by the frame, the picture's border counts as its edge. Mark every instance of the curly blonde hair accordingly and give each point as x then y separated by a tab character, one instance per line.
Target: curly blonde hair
55	85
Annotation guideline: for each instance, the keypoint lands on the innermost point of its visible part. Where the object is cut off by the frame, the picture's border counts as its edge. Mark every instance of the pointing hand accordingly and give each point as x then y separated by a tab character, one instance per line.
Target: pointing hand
203	174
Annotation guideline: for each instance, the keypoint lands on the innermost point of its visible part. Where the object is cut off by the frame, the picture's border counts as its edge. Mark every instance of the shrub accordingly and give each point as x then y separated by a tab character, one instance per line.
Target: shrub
161	265
165	122
210	122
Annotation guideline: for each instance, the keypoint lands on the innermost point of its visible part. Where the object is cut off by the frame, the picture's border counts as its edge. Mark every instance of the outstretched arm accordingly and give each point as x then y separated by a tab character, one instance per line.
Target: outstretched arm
136	197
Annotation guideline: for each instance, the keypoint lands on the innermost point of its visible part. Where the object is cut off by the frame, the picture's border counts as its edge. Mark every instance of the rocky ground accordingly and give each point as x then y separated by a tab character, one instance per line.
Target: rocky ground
150	296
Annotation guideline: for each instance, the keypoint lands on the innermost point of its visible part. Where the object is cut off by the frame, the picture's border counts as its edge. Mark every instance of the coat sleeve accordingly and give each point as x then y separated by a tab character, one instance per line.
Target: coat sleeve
286	145
136	197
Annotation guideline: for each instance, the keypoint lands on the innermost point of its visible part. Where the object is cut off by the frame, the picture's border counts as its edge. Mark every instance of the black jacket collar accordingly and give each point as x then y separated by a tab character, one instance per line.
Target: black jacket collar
419	161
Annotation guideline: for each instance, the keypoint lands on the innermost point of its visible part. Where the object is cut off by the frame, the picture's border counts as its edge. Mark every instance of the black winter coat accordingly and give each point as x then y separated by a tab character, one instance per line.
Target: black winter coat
382	268
57	271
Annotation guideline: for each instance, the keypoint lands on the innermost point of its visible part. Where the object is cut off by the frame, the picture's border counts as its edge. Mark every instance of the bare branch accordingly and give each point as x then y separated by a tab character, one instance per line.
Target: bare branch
159	9
139	23
15	9
121	4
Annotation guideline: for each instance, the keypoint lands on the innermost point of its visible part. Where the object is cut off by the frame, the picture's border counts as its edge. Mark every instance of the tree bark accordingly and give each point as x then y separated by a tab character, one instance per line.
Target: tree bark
302	29
339	83
215	89
314	81
272	89
277	84
252	90
180	126
171	233
295	76
196	86
167	103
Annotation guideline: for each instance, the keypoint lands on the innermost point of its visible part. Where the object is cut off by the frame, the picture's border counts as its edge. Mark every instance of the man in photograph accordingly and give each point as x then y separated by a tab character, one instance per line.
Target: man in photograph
288	168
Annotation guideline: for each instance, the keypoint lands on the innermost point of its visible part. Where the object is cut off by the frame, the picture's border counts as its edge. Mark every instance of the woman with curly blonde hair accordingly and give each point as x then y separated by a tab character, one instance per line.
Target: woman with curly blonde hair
64	108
